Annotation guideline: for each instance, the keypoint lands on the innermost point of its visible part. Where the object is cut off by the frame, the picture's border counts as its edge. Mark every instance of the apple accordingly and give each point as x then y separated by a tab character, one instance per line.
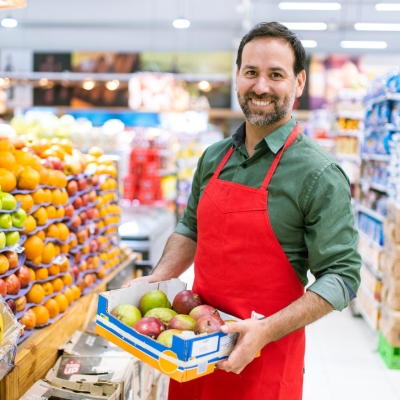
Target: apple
12	258
20	303
92	196
24	276
83	215
28	150
47	163
78	203
12	238
76	222
5	221
82	236
90	213
72	166
18	218
69	210
94	246
13	285
8	201
57	163
77	257
72	187
90	263
85	200
96	213
89	280
2	240
4	264
29	319
13	306
3	288
82	184
95	180
81	285
75	272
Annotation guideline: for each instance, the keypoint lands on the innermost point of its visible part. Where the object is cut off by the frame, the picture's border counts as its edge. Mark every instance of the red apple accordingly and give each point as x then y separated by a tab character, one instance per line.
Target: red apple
13	285
95	180
28	150
29	319
57	163
12	258
47	163
78	203
96	213
82	236
77	257
72	187
3	288
83	215
89	213
92	196
85	200
11	303
20	303
24	276
75	272
69	210
76	222
88	278
81	184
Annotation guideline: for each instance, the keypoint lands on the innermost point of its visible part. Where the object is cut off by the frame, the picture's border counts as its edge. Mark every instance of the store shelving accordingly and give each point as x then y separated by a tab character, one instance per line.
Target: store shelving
370	241
379	217
373	185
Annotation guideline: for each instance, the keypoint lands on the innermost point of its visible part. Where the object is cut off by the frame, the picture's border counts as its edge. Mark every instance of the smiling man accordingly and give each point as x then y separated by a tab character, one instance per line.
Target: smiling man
267	206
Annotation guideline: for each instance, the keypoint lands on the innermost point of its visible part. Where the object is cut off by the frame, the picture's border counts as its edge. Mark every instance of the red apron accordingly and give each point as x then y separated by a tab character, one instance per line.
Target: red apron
240	267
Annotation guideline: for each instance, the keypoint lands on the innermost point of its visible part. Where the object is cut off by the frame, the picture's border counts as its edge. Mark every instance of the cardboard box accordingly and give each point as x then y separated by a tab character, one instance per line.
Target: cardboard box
68	390
390	265
189	357
392	213
371	282
389	325
369	307
119	370
391	231
391	291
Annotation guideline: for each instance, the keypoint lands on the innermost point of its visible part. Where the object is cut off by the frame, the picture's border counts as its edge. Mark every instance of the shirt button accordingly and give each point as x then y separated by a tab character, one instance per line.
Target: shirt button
244	165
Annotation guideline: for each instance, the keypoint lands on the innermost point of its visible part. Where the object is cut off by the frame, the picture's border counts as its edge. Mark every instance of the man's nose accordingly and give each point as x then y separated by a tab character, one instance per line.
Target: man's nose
261	86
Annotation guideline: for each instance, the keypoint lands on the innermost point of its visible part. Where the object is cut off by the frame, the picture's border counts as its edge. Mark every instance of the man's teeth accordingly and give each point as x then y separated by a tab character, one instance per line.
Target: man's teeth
260	103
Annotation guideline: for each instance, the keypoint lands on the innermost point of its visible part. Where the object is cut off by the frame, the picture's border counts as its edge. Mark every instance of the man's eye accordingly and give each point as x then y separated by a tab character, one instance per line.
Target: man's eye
251	73
276	75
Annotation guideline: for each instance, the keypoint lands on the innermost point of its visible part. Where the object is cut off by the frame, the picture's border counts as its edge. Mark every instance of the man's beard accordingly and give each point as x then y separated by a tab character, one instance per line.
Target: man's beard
281	108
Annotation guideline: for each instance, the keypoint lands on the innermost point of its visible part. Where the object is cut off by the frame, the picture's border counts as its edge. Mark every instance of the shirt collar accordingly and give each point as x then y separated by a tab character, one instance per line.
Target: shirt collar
275	140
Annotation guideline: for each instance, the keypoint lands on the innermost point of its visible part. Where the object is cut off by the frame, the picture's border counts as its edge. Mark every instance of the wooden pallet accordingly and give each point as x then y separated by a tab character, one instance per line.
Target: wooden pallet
38	353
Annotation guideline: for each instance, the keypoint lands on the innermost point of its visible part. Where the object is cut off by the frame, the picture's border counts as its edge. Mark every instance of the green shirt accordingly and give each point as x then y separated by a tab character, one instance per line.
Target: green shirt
309	206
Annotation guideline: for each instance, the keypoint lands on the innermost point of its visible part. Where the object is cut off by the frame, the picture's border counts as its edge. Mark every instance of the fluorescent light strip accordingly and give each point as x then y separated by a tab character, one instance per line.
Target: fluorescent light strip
376	27
309	43
305	26
181	23
387	7
9	22
348	44
310	6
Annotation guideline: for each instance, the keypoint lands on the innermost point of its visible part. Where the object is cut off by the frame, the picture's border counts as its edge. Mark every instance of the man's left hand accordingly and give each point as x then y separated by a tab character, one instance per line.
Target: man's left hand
252	338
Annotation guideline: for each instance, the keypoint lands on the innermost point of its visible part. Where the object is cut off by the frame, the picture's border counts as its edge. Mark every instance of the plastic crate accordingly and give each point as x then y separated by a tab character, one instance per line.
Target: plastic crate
390	354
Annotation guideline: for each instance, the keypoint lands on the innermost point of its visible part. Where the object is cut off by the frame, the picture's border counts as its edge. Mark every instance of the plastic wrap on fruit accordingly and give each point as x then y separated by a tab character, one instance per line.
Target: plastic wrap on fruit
10	331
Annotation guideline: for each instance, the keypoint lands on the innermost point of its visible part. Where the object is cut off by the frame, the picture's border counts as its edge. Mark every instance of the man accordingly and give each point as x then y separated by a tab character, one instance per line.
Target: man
267	205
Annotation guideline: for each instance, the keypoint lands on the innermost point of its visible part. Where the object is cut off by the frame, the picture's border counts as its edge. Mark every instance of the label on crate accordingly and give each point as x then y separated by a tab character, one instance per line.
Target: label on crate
92	228
227	343
205	346
58	260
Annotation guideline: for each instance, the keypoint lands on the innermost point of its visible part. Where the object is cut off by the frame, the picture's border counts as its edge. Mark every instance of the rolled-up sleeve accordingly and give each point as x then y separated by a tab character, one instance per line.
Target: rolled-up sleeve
331	237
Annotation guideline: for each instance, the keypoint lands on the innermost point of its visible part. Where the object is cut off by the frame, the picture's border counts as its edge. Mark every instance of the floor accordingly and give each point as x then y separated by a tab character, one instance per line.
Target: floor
342	362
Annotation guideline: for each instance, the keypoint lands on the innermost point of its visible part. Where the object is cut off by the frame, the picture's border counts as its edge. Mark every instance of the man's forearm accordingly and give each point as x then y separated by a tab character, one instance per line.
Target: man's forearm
177	257
307	309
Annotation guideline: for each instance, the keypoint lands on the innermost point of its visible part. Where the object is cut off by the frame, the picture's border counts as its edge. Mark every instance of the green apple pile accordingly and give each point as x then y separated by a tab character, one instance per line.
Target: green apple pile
157	318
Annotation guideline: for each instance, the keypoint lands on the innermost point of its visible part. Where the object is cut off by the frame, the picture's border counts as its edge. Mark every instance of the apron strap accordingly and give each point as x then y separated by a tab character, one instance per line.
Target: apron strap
271	171
222	163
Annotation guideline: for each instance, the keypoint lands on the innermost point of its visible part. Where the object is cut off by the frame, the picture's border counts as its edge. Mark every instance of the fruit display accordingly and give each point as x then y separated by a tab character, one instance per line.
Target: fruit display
155	317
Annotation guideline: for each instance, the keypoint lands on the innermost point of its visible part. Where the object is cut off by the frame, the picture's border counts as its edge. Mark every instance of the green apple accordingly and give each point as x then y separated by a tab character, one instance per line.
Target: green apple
2	240
1	205
12	238
5	221
8	201
18	218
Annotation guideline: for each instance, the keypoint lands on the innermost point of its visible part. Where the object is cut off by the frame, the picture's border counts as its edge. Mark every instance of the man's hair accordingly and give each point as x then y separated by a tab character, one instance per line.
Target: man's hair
279	31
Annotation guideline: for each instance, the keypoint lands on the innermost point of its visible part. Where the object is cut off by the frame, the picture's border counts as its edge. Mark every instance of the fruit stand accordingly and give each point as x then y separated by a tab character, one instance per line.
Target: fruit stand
38	353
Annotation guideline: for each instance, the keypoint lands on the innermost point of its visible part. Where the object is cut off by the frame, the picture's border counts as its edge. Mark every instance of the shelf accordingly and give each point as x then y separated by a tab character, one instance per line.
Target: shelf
372	185
350	114
371	213
375	157
348	157
383	97
370	241
377	274
348	133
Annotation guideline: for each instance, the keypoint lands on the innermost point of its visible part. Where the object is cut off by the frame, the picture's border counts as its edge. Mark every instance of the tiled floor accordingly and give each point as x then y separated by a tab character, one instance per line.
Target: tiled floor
342	362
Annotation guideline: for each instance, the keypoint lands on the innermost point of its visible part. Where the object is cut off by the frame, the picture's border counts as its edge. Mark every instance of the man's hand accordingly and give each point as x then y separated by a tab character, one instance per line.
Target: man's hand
252	338
148	278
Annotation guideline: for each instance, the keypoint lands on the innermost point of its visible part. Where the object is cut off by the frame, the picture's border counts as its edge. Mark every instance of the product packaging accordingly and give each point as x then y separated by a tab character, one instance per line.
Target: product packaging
389	325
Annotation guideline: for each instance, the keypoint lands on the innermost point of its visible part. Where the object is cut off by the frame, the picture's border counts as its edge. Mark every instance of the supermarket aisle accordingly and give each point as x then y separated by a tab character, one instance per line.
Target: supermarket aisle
342	362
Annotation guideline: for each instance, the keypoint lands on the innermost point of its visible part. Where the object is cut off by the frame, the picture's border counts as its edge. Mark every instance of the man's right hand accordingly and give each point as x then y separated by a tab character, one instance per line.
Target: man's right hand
147	278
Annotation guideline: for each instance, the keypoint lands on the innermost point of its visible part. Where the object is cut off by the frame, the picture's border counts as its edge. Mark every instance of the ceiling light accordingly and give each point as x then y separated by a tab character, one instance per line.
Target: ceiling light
204	86
112	85
305	26
43	82
376	27
387	7
88	84
310	6
9	22
181	23
347	44
309	43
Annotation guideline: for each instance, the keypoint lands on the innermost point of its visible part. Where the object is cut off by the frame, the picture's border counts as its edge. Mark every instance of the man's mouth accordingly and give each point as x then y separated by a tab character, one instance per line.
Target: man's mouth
260	102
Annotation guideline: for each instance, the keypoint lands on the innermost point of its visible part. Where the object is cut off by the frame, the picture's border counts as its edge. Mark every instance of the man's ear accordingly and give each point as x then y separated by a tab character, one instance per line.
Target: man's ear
301	82
236	77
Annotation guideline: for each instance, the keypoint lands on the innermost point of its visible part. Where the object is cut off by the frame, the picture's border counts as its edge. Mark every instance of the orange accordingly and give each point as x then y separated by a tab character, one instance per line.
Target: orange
41	216
52	231
26	201
38	196
61	179
64	199
48	253
57	197
96	151
28	179
7	160
30	224
36	164
67	279
47	196
6	145
16	169
111	170
37	260
24	158
85	250
33	275
69	294
58	150
42	274
60	212
7	180
65	265
55	270
57	250
33	247
62	301
52	307
64	249
76	292
36	294
67	145
57	284
63	231
53	179
42	315
51	212
44	176
40	234
48	288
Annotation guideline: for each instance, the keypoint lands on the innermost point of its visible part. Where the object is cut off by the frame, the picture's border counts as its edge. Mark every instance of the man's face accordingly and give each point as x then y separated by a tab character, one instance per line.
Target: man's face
266	85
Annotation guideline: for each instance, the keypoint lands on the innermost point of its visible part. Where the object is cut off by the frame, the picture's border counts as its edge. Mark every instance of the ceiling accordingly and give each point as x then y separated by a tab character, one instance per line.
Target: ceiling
216	25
